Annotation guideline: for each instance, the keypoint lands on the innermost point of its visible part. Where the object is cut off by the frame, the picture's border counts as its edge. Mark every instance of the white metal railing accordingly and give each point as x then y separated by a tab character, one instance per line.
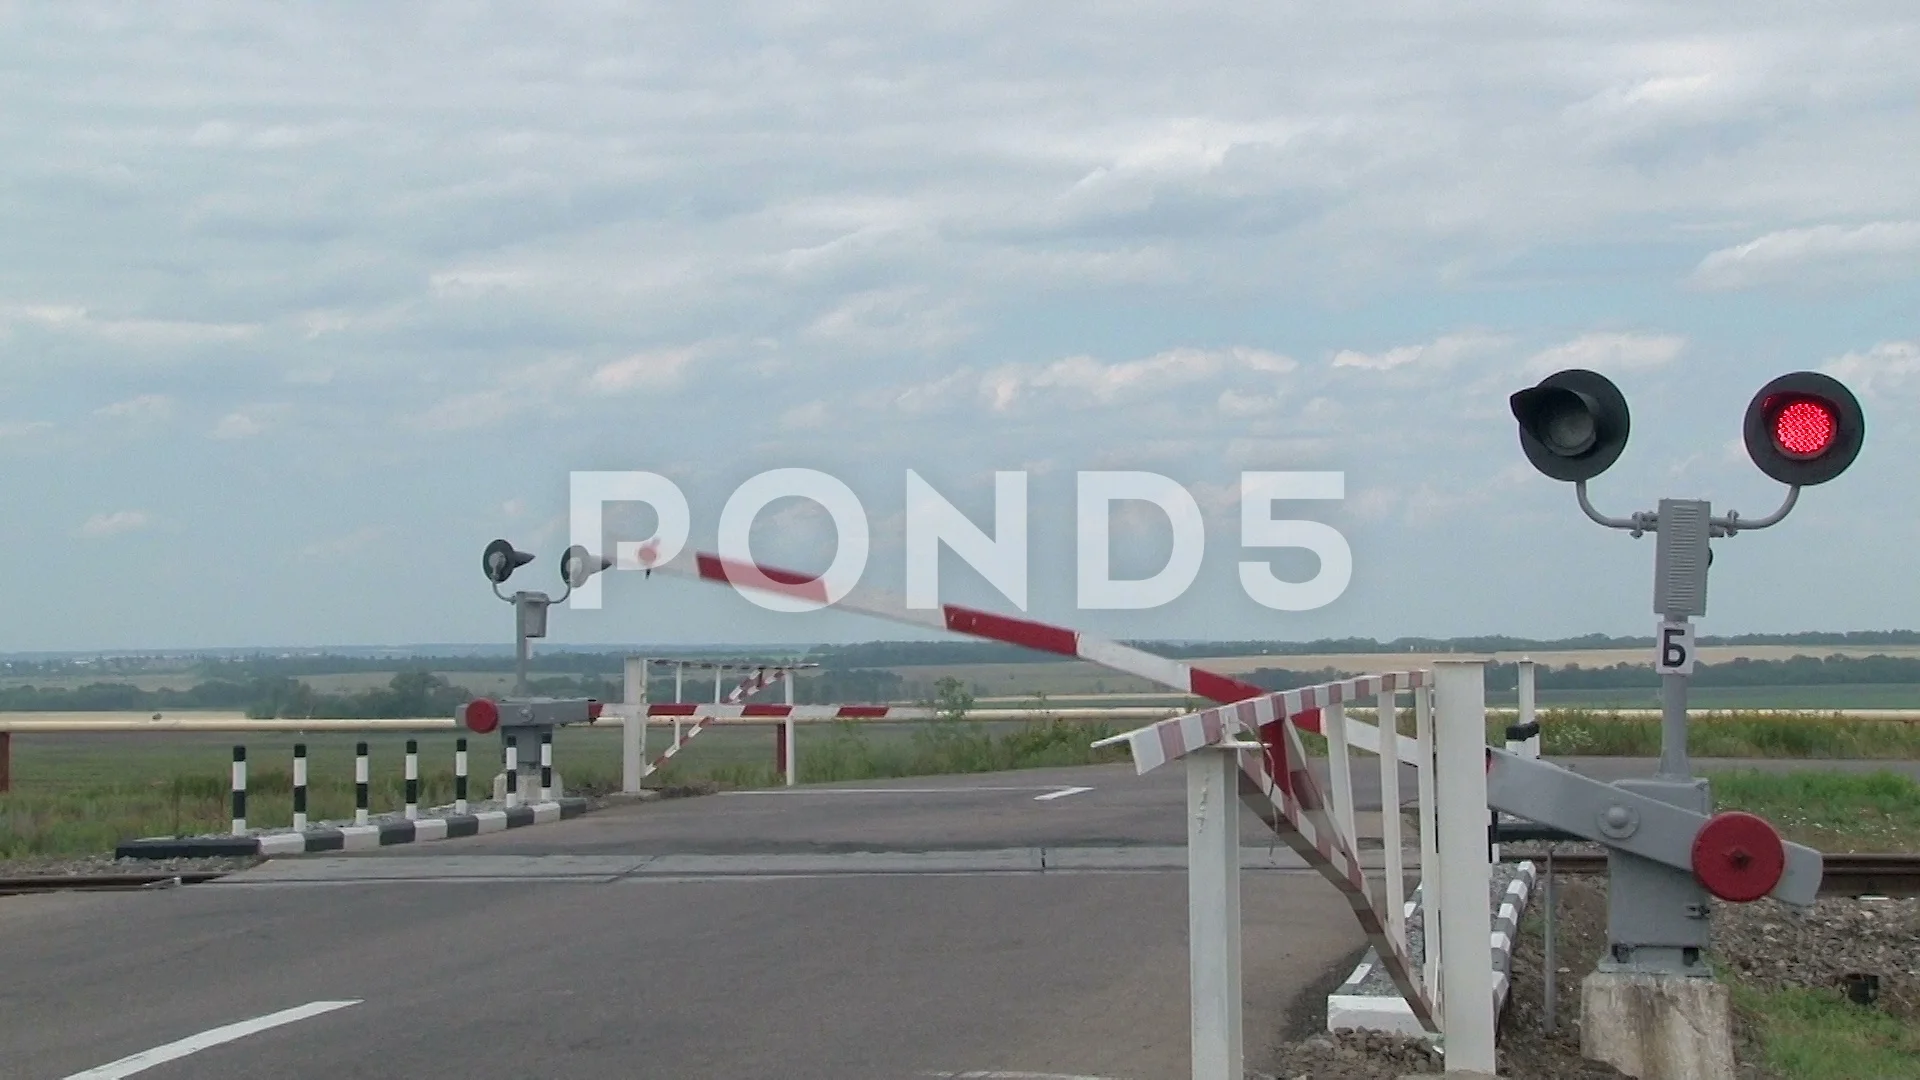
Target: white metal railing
1254	748
787	717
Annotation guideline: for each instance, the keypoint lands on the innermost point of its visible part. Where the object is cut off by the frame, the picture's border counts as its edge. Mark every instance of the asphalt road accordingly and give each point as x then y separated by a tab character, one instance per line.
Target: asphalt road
924	814
1029	924
558	951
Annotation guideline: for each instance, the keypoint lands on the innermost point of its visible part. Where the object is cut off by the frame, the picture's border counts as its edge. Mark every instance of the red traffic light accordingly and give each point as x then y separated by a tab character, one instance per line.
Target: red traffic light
1804	428
481	716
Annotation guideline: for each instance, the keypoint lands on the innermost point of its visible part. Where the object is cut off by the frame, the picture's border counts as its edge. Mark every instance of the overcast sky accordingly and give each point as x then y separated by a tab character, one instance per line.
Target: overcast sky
300	305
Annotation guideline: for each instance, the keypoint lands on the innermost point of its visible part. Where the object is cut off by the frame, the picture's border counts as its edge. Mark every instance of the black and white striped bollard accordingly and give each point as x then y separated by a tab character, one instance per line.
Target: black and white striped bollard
513	772
413	779
460	777
239	791
546	766
299	787
360	783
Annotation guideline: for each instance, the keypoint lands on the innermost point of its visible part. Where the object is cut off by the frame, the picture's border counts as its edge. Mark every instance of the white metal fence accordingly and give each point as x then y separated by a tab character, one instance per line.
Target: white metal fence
1253	749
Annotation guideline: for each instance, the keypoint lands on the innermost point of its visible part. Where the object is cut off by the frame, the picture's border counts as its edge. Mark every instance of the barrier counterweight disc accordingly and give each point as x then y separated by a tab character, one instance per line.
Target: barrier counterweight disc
482	716
1738	857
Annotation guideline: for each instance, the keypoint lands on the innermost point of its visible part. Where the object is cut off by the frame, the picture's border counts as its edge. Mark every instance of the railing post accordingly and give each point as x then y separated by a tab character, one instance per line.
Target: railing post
1340	768
633	728
1466	966
239	791
1430	869
412	777
1528	713
513	771
1387	716
546	766
361	779
1213	913
299	787
460	776
791	762
6	762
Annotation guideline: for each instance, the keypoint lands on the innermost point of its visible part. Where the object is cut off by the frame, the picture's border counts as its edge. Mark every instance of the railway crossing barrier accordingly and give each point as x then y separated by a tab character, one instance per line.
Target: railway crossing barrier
1738	856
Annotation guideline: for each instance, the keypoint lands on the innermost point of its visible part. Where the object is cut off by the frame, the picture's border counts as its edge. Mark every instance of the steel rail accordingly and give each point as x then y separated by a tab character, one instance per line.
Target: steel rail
1893	874
46	883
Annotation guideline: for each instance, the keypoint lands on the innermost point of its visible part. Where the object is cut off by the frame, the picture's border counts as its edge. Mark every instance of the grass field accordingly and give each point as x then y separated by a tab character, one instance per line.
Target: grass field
1810	1035
85	793
1834	812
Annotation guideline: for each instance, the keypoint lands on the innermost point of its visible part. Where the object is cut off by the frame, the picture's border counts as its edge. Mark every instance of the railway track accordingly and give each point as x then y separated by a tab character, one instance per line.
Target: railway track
1853	874
45	883
1872	874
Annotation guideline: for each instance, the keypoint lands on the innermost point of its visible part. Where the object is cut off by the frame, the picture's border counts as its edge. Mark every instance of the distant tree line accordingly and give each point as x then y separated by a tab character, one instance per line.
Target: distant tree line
923	653
1799	671
243	669
420	692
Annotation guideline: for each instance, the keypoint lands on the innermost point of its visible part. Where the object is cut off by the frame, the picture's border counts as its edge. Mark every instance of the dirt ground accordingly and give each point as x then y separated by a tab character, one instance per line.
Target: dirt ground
1768	944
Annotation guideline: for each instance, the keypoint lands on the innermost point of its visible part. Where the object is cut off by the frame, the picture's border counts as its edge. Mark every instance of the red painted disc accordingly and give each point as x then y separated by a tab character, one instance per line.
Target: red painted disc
1738	857
482	715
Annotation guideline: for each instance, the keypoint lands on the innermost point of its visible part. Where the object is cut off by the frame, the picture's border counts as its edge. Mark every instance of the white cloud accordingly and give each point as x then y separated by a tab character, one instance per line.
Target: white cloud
1884	248
137	409
514	391
1887	365
340	547
1242	403
137	333
1604	352
652	370
471	284
1082	381
240	424
811	416
891	320
100	526
23	429
1438	353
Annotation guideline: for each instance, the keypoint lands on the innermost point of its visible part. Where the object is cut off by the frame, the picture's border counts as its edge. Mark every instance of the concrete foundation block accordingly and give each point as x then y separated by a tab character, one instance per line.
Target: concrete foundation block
529	792
1654	1027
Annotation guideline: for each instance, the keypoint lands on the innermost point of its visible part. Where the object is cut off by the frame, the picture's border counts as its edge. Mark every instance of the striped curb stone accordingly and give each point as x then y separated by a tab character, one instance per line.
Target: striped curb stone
354	837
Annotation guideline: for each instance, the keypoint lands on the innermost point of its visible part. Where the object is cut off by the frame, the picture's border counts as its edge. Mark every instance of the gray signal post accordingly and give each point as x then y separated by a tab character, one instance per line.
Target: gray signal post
1657	914
528	721
1652	1009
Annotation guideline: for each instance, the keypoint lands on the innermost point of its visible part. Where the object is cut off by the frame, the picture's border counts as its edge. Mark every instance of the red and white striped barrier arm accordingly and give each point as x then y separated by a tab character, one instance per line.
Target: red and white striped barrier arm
748	687
1274	789
1281	797
795	712
955	618
1156	744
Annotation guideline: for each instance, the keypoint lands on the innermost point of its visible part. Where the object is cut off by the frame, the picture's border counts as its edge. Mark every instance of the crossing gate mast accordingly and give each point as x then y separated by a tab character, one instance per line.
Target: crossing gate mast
1800	429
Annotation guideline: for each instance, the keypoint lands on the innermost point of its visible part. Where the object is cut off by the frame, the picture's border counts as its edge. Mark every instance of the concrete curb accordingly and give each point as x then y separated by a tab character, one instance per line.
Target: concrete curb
1392	1014
354	837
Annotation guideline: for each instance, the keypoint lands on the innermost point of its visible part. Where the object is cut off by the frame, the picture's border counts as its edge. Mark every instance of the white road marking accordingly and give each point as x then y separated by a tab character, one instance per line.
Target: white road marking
956	789
159	1055
998	1075
1061	794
